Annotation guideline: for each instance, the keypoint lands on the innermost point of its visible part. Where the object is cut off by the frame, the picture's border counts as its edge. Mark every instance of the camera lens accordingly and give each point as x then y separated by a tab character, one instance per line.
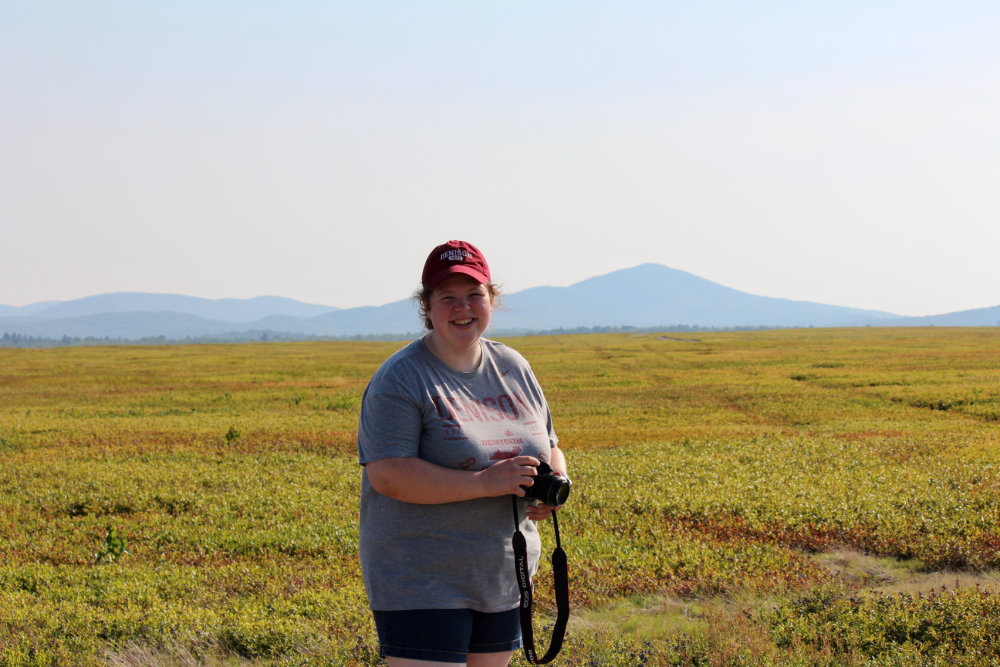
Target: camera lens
556	492
550	487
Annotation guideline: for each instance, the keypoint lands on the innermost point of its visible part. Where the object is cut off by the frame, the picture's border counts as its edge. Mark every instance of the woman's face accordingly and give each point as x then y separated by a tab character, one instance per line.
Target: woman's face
460	309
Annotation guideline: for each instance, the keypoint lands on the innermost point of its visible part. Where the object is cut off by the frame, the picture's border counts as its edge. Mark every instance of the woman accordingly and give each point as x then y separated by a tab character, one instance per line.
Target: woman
451	426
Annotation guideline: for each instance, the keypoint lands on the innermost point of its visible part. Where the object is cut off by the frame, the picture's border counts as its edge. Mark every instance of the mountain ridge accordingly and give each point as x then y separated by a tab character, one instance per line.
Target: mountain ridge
227	310
644	296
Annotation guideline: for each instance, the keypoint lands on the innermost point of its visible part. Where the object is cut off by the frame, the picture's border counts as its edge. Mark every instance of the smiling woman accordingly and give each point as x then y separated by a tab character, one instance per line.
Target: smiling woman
439	467
459	310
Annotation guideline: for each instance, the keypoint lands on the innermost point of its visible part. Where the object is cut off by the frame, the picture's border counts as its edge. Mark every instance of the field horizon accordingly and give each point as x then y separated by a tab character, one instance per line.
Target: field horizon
781	497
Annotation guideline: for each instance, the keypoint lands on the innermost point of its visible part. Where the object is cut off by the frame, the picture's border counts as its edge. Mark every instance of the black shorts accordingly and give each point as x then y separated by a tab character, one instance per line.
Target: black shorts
446	635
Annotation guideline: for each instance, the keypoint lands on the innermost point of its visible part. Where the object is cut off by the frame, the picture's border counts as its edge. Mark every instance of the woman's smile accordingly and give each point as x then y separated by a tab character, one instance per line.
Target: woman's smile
460	309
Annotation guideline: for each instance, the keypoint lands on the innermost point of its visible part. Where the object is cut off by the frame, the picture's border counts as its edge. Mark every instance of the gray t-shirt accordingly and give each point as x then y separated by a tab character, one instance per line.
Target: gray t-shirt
452	555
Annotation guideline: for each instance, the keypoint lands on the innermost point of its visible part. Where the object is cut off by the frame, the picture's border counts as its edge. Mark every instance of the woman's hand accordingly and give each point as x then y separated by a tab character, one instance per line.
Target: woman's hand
540	512
508	476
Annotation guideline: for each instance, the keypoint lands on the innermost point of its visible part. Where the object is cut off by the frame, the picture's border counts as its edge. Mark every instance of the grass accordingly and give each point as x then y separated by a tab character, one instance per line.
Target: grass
772	498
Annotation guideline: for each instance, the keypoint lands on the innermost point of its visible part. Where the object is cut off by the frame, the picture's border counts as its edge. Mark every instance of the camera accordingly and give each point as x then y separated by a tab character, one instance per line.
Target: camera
550	487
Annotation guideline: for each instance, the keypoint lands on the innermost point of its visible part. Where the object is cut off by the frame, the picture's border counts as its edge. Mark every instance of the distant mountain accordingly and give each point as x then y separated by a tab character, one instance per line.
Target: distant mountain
22	311
652	295
87	320
645	296
226	310
977	317
128	326
398	317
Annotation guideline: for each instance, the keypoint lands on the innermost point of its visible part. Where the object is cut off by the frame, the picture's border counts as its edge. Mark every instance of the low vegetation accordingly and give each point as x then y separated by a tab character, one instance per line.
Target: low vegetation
789	497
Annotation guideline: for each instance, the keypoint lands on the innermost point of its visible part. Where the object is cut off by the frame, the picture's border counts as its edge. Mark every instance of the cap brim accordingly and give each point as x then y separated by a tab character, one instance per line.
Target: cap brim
439	277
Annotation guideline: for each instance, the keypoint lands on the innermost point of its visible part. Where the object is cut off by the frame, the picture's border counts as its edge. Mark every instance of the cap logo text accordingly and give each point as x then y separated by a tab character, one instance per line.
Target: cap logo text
455	255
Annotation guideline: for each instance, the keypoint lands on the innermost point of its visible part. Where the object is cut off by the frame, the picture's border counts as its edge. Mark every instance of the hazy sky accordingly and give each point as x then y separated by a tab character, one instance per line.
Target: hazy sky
843	152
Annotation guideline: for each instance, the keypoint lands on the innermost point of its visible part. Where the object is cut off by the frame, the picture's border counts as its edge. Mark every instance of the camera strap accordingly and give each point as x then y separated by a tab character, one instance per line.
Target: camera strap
560	575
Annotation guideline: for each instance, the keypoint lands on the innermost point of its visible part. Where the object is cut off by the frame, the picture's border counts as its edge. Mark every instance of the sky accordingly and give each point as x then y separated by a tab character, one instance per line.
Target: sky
843	152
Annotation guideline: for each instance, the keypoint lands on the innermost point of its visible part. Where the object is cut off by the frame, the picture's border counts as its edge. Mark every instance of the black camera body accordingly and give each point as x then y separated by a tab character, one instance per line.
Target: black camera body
550	487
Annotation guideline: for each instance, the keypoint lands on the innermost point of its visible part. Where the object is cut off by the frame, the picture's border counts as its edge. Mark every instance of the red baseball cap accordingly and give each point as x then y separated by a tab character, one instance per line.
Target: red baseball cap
454	257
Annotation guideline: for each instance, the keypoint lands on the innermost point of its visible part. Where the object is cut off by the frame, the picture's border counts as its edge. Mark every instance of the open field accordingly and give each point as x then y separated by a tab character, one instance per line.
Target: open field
783	497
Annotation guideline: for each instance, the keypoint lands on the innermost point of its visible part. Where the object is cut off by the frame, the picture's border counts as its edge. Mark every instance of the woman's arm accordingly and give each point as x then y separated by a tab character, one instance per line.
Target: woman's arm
415	480
558	461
